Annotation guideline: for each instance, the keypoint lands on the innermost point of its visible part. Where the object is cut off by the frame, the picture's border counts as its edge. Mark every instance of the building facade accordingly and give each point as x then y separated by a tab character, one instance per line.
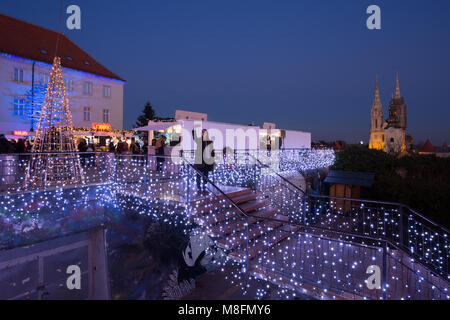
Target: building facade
376	123
389	136
178	132
26	54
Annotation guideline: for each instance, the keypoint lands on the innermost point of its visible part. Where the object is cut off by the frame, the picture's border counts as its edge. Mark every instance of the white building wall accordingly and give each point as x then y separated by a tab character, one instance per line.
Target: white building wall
296	140
77	99
218	134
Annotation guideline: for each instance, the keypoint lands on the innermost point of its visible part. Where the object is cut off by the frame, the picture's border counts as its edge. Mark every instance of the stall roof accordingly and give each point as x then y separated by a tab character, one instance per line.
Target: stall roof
351	178
156	126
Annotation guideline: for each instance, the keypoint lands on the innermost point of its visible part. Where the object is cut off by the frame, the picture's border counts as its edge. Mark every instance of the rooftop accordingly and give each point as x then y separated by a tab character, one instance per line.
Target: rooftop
26	40
350	178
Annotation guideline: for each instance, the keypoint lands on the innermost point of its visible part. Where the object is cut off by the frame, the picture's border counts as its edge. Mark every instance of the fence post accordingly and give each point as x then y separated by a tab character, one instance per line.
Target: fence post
254	178
384	286
246	249
188	194
401	222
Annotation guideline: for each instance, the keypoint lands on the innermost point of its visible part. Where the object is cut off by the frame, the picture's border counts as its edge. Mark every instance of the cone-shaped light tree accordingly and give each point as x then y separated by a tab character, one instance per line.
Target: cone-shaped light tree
54	160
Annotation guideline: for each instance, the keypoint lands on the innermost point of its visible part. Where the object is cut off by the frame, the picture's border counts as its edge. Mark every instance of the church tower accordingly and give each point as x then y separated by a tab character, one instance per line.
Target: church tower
376	127
395	132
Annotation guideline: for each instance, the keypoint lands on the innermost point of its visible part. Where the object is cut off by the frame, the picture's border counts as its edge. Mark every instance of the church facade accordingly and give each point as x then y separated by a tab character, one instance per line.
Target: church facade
390	135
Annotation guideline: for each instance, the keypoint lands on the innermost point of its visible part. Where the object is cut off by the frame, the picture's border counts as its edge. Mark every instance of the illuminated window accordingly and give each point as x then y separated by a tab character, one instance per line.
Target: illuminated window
18	75
19	105
87	114
87	88
68	83
106	91
105	115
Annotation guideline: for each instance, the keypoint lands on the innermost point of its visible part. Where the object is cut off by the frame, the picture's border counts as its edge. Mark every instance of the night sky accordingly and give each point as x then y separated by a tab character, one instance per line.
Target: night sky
307	64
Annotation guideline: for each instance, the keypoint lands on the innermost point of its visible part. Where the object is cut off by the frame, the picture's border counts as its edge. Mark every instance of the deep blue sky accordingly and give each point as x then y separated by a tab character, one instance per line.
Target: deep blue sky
306	64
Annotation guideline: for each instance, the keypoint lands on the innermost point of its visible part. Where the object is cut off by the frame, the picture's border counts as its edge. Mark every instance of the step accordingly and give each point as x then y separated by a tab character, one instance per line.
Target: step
208	199
209	219
244	198
254	205
229	226
267	212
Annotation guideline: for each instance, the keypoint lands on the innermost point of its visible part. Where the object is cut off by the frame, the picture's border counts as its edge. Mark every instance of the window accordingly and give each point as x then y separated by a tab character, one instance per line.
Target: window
43	51
18	75
68	83
86	62
19	105
87	88
106	91
87	114
44	78
105	115
69	58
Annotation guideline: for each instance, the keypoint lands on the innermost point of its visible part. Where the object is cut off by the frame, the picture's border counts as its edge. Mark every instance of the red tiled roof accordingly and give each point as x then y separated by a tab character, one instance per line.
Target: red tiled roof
26	40
427	147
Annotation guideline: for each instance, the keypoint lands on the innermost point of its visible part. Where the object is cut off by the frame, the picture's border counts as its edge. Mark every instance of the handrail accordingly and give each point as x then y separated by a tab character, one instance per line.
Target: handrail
340	233
358	200
280	176
216	187
322	229
385	203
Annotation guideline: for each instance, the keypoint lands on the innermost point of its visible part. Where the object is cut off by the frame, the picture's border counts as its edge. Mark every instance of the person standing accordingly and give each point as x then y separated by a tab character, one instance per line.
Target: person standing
204	158
111	146
20	146
160	144
4	144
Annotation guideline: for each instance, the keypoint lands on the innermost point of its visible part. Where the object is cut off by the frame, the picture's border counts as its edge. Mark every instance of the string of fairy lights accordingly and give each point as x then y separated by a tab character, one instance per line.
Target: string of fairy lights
301	243
328	260
54	134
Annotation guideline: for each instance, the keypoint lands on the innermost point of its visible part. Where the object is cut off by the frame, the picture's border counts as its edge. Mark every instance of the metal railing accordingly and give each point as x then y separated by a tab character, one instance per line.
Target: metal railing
423	239
324	260
298	251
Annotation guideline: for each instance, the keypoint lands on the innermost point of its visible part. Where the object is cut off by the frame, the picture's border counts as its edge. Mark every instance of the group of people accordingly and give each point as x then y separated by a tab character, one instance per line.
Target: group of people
13	146
204	154
121	147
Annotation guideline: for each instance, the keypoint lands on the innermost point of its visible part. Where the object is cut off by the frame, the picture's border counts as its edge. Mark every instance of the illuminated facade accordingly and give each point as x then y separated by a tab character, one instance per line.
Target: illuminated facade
27	52
376	128
389	136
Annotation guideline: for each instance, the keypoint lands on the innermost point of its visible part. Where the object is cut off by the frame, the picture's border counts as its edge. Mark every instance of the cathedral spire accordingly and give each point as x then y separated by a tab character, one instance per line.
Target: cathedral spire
377	91
397	87
376	119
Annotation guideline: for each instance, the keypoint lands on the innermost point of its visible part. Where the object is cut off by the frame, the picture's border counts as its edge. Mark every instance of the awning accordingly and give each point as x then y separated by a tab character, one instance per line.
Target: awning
157	126
350	178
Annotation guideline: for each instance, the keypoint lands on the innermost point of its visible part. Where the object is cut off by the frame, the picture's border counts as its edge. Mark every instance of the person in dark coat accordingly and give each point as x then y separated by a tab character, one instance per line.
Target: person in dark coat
20	146
4	144
82	147
28	146
204	157
111	146
160	144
